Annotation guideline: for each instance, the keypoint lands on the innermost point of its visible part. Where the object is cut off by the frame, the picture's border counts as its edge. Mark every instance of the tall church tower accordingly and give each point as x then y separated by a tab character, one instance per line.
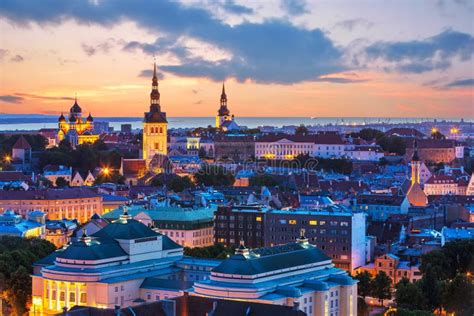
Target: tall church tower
415	164
223	114
155	125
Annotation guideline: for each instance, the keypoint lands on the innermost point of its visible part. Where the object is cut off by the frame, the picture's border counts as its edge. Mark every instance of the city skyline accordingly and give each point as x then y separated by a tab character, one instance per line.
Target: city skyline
316	58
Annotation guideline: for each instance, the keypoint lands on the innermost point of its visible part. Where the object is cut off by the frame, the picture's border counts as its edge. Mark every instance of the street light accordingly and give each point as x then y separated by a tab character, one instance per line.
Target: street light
7	159
106	171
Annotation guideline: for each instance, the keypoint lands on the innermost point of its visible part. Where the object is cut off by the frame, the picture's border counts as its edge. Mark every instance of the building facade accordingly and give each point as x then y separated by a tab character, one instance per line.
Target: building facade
297	274
73	203
336	230
234	224
235	147
185	226
125	263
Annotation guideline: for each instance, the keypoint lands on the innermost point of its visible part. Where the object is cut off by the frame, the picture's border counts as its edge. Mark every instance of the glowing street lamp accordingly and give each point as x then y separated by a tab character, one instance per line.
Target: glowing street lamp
434	130
7	159
454	131
105	171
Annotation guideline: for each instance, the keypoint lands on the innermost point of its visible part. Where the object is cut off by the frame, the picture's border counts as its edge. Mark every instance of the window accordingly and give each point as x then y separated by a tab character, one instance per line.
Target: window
72	297
258	218
116	289
292	221
62	296
116	300
83	297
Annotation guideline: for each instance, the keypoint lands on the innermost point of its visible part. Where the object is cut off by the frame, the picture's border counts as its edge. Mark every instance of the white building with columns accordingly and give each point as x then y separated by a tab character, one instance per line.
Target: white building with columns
296	274
125	263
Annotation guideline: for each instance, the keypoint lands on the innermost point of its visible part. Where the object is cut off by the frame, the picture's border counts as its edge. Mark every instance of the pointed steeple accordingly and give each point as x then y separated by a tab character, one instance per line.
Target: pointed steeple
415	151
223	110
155	93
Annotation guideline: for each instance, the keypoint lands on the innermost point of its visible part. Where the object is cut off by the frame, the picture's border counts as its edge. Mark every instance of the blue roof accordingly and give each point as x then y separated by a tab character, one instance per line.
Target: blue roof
157	283
167	213
94	250
270	259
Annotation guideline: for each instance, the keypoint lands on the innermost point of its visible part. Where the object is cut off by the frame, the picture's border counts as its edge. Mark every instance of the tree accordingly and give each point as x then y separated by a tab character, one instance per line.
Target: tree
364	287
61	182
202	153
212	175
392	144
362	307
179	184
458	296
113	177
370	134
381	286
301	130
217	251
409	295
431	289
263	180
438	135
16	264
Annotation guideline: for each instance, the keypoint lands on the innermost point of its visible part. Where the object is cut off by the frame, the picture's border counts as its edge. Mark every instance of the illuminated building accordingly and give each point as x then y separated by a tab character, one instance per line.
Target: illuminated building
188	227
12	224
123	264
296	274
415	194
76	129
57	204
224	120
155	126
394	267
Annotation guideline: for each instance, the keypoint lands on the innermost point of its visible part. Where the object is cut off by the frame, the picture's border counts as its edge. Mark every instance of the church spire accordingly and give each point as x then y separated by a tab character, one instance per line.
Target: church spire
223	97
155	94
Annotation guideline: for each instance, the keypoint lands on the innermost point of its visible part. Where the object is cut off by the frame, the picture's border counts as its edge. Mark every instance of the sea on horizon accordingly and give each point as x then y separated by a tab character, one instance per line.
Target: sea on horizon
24	122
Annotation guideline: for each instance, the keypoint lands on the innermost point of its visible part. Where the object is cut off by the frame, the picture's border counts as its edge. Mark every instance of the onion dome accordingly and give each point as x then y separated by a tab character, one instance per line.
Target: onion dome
62	118
90	118
72	118
75	107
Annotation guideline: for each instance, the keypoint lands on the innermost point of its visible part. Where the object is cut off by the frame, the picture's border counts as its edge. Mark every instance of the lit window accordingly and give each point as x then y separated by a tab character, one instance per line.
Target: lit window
258	219
313	223
292	221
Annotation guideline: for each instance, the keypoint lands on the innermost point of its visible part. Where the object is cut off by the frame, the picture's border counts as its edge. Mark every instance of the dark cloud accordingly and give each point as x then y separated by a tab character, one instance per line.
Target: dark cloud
294	7
148	73
340	80
271	51
10	99
42	97
231	7
17	59
103	47
433	53
461	83
353	23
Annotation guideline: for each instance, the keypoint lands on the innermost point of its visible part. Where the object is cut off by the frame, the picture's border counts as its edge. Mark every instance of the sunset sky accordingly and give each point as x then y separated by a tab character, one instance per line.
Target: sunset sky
401	58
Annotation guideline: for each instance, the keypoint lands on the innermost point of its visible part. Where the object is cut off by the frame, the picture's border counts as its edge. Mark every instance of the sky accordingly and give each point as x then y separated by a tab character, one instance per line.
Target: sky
278	58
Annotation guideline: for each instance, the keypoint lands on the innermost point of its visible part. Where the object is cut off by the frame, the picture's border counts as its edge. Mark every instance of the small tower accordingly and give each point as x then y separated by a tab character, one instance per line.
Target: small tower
415	164
242	250
155	125
223	114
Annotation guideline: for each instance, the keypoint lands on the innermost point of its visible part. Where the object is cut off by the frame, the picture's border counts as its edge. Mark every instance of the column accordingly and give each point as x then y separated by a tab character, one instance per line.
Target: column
50	294
77	294
67	294
58	307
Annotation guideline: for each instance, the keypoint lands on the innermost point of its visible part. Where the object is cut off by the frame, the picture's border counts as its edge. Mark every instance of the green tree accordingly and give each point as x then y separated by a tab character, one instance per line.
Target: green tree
438	135
364	287
61	182
212	175
431	288
263	180
370	134
381	286
409	295
179	184
458	296
301	130
18	290
113	176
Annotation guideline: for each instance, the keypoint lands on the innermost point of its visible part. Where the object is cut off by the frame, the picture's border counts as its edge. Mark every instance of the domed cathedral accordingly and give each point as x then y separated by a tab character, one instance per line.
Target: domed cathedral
76	129
155	125
224	120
